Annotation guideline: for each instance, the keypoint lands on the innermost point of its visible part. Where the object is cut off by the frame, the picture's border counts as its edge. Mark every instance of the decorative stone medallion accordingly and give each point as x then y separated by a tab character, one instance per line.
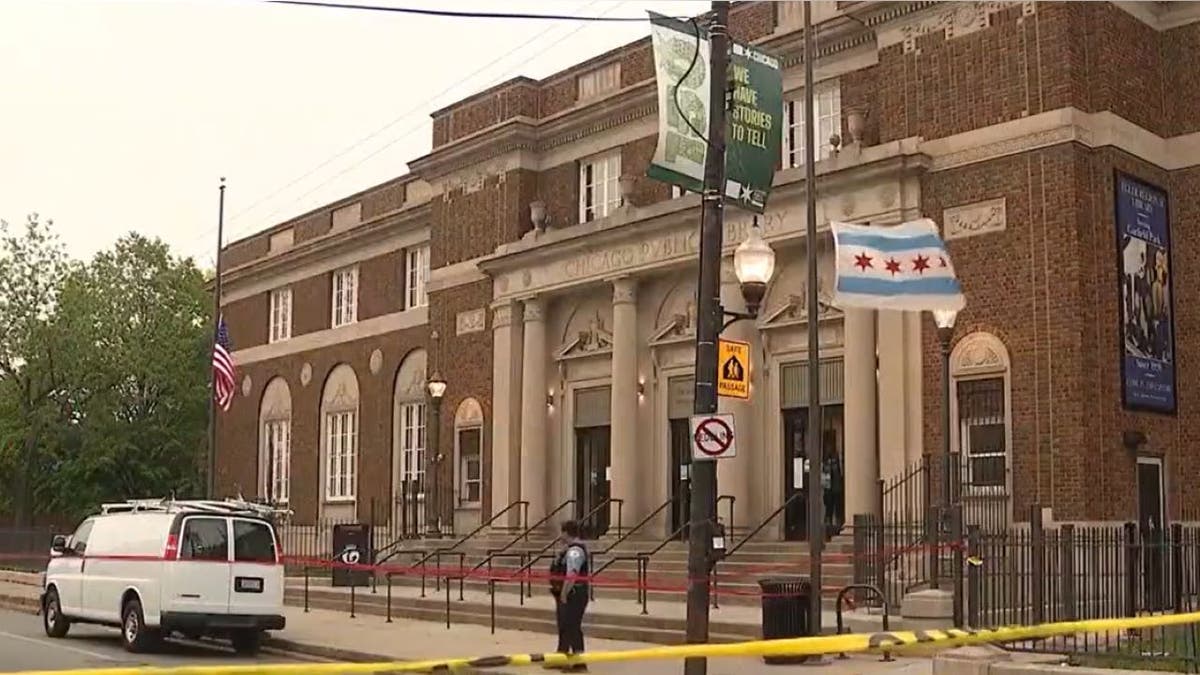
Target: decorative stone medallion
470	321
247	384
974	219
376	361
305	374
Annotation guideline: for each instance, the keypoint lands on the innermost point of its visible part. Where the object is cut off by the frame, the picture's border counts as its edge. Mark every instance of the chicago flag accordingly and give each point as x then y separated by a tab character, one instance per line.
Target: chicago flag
903	267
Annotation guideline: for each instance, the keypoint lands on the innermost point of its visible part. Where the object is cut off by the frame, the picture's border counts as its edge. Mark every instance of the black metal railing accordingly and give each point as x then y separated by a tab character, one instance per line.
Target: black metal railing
730	551
25	548
1034	574
626	534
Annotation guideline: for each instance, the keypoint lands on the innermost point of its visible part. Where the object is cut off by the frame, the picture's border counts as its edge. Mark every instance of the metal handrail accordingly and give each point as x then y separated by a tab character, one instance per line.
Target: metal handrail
758	528
486	524
604	505
663	544
639	526
524	534
732	500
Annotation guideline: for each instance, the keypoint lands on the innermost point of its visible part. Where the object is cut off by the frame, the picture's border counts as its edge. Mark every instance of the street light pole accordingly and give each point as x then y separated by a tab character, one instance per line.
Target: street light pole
710	317
813	437
436	388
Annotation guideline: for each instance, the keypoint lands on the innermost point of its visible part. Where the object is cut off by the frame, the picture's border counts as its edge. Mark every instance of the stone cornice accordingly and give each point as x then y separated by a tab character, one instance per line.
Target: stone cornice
327	245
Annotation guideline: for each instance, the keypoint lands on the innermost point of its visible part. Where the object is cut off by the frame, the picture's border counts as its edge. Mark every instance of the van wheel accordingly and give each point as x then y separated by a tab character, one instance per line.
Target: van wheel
136	637
53	620
247	641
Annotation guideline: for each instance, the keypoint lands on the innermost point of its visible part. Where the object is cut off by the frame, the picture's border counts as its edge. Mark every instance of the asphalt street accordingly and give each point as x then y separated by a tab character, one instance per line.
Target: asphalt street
23	646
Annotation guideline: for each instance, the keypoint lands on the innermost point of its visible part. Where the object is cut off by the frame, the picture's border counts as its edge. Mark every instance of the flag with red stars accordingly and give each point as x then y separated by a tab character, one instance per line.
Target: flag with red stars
903	267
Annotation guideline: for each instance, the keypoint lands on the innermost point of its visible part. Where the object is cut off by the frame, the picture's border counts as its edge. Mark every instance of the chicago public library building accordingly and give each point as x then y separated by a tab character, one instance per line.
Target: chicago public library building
529	262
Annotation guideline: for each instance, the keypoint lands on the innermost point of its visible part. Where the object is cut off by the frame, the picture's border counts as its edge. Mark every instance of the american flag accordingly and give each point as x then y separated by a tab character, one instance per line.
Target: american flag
223	368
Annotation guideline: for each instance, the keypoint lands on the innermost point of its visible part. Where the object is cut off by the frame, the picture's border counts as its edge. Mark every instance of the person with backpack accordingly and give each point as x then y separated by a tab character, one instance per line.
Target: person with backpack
569	584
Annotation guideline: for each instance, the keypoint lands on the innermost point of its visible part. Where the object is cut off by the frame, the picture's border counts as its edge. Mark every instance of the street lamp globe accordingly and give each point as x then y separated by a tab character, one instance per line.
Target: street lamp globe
754	264
945	318
436	386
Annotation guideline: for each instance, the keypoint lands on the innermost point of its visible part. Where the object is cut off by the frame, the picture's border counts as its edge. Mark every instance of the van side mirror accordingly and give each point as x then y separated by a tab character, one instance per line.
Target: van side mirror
58	544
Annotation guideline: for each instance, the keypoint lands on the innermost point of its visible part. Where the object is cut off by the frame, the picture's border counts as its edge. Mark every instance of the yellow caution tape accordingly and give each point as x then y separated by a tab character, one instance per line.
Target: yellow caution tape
810	646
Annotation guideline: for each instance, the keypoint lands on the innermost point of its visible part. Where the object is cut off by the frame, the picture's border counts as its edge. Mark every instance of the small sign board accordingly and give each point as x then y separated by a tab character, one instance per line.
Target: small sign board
352	554
712	437
733	369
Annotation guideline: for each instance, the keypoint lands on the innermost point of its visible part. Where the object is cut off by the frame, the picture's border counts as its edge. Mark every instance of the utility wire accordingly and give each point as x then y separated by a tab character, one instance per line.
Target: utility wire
416	128
403	116
458	15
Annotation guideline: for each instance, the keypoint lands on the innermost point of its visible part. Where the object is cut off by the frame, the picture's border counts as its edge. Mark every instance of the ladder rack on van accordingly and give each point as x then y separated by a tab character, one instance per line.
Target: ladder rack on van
229	506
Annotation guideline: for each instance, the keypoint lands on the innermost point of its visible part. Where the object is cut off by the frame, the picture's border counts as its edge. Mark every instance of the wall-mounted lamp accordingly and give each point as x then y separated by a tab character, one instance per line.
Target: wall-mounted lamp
550	400
1133	439
641	388
538	215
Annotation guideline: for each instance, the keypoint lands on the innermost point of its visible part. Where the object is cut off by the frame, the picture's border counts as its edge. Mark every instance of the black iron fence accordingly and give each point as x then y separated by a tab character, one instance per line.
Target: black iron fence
25	548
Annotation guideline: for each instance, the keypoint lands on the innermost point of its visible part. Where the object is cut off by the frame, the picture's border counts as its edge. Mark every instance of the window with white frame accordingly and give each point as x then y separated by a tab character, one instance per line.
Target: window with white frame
341	471
281	314
600	81
412	443
470	466
416	277
345	296
677	192
278	435
599	186
827	106
983	432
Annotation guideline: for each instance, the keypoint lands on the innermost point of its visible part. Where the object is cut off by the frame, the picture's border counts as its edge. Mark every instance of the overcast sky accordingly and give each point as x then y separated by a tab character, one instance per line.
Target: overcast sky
121	116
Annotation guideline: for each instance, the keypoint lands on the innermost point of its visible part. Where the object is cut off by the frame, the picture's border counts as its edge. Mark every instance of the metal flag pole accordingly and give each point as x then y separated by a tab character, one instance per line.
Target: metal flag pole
211	471
812	437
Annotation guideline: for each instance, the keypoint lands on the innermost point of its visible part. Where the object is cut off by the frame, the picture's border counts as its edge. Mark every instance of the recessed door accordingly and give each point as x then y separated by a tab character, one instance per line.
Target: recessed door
795	470
1152	526
592	488
680	470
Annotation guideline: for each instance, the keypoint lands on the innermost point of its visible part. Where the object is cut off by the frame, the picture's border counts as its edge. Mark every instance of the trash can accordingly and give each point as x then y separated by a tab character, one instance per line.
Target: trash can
785	609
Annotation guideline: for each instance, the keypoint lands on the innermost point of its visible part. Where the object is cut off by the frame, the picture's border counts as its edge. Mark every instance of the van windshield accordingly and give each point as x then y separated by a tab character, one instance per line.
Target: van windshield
253	542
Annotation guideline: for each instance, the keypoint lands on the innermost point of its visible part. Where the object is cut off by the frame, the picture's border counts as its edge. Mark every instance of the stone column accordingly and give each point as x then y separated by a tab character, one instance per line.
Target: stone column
534	477
625	440
506	415
734	475
914	369
893	426
861	459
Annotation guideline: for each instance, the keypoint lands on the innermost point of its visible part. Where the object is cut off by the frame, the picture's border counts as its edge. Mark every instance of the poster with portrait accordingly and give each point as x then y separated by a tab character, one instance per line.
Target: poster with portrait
1147	316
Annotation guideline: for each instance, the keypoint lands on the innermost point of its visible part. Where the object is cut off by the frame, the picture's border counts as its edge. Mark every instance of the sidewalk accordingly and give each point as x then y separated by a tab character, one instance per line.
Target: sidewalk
336	636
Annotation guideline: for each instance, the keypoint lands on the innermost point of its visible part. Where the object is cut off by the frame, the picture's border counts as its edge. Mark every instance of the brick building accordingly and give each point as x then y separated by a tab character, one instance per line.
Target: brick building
566	346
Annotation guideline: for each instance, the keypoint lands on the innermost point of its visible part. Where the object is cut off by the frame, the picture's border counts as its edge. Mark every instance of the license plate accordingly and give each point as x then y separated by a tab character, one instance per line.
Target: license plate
248	584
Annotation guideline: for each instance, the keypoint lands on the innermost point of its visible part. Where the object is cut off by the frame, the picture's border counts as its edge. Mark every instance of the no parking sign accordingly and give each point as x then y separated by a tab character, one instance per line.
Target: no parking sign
713	437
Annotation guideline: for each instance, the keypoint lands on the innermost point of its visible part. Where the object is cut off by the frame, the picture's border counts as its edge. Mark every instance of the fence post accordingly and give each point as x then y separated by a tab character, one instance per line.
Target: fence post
1177	566
974	585
1037	562
932	525
371	543
1067	583
956	534
1131	569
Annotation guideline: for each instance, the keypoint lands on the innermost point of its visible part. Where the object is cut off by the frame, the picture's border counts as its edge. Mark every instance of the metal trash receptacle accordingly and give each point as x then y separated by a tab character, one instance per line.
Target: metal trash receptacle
785	610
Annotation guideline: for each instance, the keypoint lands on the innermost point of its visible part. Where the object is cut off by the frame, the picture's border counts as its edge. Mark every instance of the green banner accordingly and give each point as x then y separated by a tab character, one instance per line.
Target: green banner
754	121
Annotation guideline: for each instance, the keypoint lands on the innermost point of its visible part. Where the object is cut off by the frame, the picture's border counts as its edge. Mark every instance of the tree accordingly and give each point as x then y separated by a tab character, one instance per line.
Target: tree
33	263
138	378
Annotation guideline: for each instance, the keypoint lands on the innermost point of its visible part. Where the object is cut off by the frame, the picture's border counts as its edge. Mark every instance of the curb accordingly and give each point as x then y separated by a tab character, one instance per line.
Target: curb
20	603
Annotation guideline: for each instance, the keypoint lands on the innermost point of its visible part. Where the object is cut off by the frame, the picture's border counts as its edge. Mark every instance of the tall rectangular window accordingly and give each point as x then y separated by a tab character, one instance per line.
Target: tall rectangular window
827	108
345	296
599	186
278	434
281	314
470	469
412	442
416	281
341	469
983	432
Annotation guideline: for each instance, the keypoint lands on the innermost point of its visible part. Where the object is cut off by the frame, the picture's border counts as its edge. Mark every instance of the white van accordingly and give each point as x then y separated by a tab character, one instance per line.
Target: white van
158	567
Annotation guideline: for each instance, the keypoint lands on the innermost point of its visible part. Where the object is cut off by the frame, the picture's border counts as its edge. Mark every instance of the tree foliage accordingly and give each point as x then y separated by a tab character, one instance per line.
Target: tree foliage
116	352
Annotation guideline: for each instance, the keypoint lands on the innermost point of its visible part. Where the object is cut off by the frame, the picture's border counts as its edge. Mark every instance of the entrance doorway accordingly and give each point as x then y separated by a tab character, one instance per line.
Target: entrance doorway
592	487
1151	493
681	475
795	470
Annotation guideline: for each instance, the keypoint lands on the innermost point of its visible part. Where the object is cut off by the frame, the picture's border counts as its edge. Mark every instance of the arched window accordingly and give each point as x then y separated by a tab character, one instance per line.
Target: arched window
468	451
275	441
980	371
408	443
339	435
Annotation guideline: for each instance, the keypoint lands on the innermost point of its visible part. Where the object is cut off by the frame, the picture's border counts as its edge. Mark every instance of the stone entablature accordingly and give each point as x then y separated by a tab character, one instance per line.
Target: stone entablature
880	184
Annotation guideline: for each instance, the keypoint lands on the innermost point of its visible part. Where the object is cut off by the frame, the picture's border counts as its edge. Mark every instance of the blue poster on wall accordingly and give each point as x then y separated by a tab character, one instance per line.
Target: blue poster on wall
1147	319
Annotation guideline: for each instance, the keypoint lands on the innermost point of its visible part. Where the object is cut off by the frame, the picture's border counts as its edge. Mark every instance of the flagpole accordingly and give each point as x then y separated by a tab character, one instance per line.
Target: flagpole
211	472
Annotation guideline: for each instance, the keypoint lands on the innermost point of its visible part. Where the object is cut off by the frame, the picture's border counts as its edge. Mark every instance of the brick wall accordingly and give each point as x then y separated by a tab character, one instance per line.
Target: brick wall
238	429
380	285
247	321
